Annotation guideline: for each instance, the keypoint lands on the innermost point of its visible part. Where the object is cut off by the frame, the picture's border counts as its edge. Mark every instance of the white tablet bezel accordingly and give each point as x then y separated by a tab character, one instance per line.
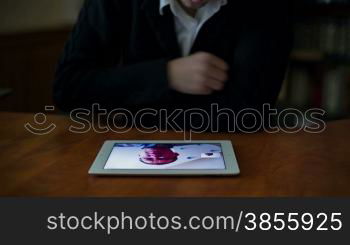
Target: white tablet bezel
98	167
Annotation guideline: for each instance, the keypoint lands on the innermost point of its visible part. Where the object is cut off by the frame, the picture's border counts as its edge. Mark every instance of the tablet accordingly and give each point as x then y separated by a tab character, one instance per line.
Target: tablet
165	158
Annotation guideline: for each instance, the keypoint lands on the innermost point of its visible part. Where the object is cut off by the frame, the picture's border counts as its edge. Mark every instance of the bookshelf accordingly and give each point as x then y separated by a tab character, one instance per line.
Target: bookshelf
319	72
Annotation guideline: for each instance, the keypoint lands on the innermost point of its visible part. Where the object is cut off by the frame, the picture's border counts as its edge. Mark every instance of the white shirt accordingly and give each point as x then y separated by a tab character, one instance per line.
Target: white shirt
187	27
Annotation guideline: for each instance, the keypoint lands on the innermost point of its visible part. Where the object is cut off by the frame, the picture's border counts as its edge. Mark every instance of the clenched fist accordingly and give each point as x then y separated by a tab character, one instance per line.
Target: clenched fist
199	74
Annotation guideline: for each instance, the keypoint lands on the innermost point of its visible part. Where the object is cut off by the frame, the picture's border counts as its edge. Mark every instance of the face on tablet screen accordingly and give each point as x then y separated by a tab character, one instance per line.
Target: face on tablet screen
166	156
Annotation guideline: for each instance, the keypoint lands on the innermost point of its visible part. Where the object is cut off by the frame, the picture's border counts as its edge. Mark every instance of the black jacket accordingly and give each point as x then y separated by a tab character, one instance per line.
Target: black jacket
118	51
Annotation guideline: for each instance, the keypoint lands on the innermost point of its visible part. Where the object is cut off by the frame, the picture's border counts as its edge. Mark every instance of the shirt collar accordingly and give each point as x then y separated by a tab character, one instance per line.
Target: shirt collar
164	3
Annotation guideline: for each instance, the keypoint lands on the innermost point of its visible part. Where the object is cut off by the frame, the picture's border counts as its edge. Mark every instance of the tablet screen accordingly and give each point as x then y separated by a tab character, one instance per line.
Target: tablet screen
166	156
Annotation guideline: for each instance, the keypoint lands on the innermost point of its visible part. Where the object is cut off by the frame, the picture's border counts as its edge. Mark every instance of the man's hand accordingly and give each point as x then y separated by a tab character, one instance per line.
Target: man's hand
199	74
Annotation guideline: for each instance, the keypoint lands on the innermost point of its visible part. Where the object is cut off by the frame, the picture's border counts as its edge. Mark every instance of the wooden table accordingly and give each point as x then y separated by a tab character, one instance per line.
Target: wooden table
272	165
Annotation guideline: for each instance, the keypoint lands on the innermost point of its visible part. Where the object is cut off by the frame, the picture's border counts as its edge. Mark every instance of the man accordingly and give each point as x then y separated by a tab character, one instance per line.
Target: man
172	54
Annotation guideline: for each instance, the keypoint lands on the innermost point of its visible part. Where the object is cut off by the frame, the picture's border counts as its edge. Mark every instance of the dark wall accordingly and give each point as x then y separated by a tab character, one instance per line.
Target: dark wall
27	64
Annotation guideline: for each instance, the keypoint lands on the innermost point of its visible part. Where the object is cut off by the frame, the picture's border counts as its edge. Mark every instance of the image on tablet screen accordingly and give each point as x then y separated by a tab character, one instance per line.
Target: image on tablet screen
166	156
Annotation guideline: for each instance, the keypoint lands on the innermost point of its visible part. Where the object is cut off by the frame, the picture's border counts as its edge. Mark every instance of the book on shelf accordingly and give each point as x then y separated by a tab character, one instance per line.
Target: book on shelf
331	94
325	35
335	93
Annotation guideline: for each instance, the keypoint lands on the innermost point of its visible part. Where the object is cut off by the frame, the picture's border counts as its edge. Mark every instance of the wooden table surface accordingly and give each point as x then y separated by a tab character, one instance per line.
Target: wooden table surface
272	165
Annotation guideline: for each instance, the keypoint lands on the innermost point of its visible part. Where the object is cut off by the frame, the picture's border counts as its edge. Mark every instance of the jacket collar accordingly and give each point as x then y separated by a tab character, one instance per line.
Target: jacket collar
163	27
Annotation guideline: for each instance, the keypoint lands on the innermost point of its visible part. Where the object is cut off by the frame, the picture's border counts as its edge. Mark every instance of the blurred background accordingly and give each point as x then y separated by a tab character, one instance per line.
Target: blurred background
33	32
